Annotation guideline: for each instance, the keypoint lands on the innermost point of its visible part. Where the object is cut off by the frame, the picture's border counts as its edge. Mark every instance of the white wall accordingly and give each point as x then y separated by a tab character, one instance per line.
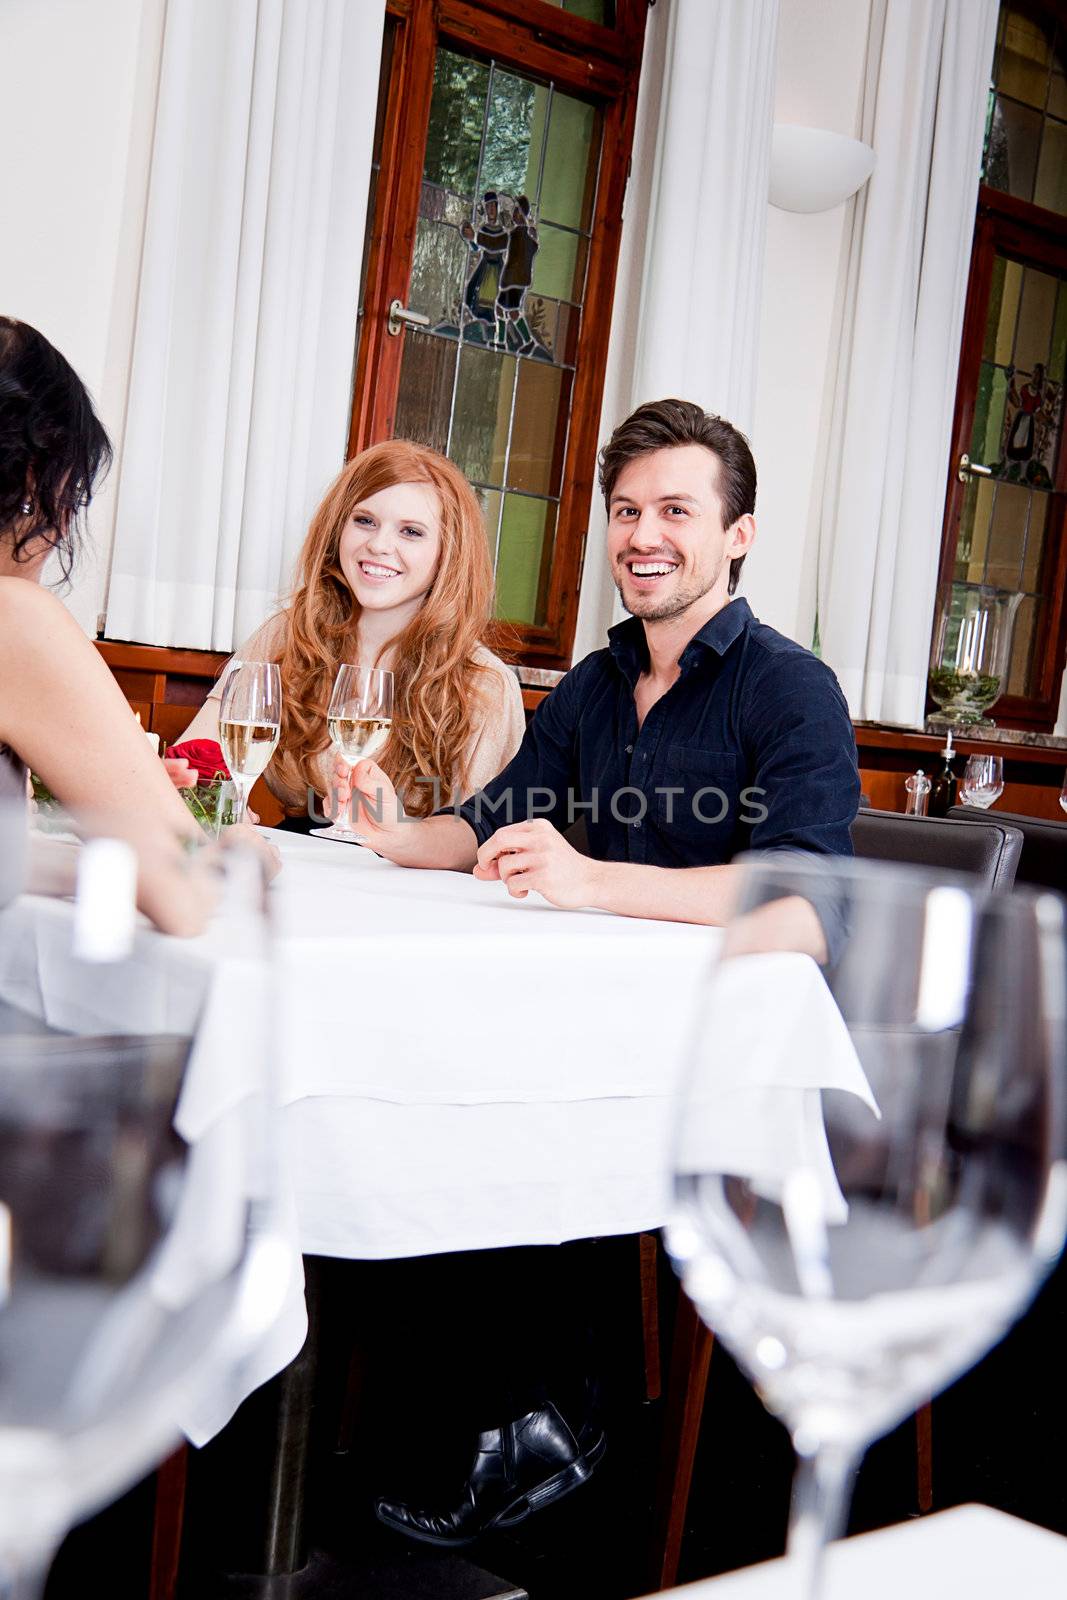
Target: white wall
76	129
821	53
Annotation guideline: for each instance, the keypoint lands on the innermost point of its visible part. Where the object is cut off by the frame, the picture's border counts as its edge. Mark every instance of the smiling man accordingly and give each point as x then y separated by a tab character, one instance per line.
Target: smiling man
696	734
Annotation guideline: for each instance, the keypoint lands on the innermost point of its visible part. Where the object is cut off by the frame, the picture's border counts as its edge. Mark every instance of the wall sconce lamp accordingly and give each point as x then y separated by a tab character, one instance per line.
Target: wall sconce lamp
813	169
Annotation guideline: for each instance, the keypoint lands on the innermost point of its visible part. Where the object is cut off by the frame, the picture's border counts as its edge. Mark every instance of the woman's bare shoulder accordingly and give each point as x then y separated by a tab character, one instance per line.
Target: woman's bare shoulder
27	612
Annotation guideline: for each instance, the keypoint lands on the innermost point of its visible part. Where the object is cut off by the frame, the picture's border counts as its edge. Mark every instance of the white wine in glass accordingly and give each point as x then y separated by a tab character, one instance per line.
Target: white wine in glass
1063	793
250	718
359	720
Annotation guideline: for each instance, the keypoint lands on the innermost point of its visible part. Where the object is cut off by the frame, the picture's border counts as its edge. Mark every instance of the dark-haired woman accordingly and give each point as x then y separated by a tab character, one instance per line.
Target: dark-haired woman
61	712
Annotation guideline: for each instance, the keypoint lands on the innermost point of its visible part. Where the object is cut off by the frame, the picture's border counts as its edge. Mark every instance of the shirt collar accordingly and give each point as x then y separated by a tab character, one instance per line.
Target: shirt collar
627	639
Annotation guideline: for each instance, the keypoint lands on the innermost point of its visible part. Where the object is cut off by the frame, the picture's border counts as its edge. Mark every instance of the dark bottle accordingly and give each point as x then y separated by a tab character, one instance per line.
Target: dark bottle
943	793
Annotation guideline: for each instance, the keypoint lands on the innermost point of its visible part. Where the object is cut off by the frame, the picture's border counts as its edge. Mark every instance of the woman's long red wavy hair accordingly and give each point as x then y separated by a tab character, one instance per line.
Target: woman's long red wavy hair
437	683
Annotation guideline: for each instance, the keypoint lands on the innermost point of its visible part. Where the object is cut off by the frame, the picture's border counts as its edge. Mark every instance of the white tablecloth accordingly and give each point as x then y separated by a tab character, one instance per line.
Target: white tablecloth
458	1069
970	1552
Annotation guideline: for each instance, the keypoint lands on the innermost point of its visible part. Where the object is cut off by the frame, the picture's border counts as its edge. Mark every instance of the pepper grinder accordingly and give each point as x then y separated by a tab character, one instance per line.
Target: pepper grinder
918	787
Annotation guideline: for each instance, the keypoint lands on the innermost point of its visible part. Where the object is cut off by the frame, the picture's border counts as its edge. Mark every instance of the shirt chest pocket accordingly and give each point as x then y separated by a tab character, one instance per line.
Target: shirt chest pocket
700	794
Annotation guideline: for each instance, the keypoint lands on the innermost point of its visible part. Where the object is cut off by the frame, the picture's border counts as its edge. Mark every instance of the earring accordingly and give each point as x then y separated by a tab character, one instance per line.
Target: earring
26	508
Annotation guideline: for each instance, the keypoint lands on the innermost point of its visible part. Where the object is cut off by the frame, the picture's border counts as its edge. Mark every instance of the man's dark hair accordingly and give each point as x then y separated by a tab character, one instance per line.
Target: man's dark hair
664	424
52	444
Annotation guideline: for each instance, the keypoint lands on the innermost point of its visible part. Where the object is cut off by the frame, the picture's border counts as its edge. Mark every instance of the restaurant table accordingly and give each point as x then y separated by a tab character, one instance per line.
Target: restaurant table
970	1551
458	1069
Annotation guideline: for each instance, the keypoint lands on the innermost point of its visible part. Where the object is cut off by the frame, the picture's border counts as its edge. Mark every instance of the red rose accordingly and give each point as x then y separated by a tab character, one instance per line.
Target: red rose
204	755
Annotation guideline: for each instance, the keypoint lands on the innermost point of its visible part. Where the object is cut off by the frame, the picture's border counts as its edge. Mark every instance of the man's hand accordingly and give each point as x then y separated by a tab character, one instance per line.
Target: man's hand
533	855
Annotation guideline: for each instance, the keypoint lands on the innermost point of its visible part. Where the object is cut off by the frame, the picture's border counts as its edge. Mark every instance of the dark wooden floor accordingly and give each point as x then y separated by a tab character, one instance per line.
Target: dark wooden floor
995	1433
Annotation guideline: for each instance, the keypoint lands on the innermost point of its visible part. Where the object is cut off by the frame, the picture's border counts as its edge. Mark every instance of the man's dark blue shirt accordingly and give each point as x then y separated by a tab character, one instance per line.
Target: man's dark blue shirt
751	748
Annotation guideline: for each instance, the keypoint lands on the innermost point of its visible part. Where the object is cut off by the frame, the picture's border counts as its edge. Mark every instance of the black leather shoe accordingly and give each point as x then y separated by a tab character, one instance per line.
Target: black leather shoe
518	1469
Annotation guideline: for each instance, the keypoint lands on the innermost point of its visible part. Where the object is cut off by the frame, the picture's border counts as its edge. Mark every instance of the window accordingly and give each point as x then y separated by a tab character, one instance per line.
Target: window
1004	523
504	136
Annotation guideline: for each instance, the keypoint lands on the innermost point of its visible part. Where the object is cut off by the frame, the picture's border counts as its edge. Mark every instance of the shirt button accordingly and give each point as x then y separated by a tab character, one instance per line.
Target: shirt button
637	824
629	749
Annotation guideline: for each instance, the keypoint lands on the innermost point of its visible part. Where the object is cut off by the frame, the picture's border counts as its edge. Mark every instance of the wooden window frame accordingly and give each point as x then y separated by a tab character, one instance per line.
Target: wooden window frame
1036	237
591	61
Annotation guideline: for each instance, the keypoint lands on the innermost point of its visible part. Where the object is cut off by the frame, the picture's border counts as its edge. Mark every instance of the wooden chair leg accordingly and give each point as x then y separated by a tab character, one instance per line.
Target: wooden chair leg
649	1256
167	1525
924	1451
686	1386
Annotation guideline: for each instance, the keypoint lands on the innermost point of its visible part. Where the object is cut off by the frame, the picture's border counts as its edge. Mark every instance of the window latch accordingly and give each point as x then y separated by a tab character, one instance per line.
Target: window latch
399	316
971	469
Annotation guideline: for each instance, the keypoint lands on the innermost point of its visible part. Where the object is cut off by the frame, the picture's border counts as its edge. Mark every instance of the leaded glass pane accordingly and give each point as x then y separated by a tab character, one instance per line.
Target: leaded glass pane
1050	189
1014	142
539	427
591	10
1023	66
426	381
1033	335
511	158
568	190
1057	361
559	270
1022	647
1035	542
1004	558
484	393
526	531
457	116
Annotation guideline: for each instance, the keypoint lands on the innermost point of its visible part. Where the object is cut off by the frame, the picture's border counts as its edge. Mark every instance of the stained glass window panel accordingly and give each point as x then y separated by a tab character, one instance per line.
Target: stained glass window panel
426	381
559	269
483	413
1014	141
1035	542
510	159
1050	189
1023	65
437	271
1057	361
592	10
457	115
1008	313
1033	335
526	531
978	542
1004	558
1057	95
490	501
1022	646
567	187
538	432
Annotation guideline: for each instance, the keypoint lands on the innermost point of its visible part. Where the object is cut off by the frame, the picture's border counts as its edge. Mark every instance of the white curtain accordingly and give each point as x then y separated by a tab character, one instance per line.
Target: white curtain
927	77
687	299
246	322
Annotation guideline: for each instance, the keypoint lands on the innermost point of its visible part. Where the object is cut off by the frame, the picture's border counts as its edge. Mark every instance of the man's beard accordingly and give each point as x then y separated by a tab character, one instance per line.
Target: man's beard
649	609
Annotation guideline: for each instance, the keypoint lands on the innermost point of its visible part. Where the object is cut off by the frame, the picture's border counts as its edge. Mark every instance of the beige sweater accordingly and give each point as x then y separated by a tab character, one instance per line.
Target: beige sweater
491	747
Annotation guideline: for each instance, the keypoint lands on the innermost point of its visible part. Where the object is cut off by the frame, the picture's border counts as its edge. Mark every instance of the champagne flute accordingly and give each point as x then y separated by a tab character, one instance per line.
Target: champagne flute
894	1186
983	781
1063	792
250	719
359	719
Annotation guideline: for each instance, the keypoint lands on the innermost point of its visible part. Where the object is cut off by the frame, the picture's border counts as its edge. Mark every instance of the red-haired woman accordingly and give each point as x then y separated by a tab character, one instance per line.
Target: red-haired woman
395	572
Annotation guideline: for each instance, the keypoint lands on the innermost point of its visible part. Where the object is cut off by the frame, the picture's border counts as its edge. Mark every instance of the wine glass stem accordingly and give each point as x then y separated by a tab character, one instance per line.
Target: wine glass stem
242	797
23	1580
820	1501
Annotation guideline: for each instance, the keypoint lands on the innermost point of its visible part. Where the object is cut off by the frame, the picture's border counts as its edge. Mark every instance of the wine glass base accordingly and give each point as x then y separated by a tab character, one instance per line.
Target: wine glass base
339	834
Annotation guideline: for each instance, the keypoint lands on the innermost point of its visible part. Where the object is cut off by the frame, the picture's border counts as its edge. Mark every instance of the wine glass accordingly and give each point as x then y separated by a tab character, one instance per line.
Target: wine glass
359	718
142	1256
1063	792
982	782
250	719
870	1162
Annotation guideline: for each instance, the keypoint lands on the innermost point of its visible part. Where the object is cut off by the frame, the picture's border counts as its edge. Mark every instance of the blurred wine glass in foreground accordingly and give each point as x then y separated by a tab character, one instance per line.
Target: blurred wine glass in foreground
866	1250
139	1268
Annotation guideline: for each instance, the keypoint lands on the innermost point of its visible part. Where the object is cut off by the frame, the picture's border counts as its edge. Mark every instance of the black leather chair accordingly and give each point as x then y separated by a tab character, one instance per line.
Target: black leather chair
1044	854
989	850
